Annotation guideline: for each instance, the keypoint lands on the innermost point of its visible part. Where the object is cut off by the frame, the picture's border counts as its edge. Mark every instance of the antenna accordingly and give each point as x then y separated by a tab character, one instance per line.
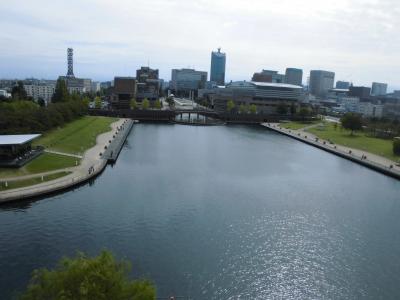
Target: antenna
70	60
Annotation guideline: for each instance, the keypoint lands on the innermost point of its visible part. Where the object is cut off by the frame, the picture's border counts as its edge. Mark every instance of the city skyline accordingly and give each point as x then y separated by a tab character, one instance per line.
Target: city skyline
313	36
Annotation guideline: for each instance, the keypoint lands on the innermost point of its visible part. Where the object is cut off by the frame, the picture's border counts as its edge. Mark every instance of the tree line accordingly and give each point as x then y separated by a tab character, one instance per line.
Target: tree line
21	115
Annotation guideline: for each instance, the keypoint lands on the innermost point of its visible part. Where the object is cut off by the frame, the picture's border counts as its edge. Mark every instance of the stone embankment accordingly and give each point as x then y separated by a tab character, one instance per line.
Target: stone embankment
108	145
369	160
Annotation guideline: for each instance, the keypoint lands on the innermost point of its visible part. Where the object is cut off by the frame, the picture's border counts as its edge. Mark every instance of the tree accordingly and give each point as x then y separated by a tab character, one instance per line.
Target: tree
335	125
242	108
41	102
396	146
97	102
157	104
170	101
351	122
18	92
253	108
293	109
304	113
61	92
145	104
282	109
230	105
133	103
101	277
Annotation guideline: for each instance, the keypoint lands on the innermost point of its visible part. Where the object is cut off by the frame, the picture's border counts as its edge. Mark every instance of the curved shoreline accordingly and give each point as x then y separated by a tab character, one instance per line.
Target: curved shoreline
345	152
92	165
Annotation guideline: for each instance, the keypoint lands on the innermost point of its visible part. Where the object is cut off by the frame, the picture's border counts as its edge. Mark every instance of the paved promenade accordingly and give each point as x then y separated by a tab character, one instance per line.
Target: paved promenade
63	153
370	160
92	163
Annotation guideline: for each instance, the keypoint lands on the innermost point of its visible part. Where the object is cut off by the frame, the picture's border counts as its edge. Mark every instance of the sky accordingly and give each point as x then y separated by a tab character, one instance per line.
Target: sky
359	39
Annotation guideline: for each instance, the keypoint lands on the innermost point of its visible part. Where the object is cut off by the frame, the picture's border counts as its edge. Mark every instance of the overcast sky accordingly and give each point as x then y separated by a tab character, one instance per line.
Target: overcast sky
359	39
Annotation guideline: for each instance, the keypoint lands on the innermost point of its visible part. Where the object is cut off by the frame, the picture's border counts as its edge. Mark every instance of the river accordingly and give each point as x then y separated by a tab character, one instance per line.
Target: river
220	212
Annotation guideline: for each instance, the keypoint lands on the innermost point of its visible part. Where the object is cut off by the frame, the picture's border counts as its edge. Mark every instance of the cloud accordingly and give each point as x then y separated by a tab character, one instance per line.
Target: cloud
357	39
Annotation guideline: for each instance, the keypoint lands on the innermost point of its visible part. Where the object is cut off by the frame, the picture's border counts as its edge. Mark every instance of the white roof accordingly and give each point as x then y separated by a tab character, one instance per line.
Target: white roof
284	85
17	139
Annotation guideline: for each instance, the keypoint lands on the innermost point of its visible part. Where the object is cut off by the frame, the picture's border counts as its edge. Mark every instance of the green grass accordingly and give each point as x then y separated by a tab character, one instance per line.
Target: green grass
31	181
76	137
295	125
45	162
357	141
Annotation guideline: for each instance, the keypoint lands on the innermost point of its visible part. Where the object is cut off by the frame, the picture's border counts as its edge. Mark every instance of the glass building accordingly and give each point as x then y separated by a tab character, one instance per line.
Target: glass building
217	73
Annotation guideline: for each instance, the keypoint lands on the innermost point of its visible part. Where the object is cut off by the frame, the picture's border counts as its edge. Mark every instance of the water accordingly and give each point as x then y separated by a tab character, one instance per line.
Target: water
221	213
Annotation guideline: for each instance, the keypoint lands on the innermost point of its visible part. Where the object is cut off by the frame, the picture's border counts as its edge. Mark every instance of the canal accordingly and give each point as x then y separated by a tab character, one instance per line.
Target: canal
221	212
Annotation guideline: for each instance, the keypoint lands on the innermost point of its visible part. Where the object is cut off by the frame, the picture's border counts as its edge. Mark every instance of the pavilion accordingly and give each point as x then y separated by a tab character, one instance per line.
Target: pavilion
16	149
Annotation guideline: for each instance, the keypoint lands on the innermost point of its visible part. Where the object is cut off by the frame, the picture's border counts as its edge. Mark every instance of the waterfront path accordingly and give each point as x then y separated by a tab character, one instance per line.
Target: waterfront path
63	153
92	163
367	159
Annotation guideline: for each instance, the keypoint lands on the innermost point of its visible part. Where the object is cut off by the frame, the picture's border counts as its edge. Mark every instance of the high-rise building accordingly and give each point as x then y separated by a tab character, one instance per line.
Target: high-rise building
40	90
294	76
321	82
148	84
342	85
218	61
268	76
359	91
70	60
379	89
185	80
124	92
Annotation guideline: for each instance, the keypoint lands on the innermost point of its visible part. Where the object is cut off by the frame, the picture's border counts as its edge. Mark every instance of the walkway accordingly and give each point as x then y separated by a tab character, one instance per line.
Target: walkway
370	160
63	153
92	164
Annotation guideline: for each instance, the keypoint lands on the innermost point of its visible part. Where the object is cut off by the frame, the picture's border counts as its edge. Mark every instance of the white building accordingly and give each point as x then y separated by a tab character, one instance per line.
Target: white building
4	93
43	90
370	110
349	104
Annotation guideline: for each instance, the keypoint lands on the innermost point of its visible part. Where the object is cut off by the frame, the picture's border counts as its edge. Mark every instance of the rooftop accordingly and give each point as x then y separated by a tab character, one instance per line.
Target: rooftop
17	139
272	84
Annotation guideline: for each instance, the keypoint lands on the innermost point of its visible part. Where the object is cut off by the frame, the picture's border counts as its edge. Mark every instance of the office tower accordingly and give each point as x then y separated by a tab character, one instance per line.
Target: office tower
294	76
321	82
342	85
218	60
379	89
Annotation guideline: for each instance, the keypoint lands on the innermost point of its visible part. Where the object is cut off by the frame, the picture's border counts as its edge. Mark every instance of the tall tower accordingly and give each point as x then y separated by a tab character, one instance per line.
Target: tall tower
70	58
218	60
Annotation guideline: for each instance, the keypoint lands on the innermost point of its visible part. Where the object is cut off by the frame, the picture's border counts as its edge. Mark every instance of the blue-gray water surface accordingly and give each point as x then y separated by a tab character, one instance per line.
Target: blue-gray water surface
223	212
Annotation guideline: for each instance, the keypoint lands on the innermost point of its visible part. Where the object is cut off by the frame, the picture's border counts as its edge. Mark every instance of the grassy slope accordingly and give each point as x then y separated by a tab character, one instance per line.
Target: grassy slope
31	181
45	162
77	136
298	125
357	141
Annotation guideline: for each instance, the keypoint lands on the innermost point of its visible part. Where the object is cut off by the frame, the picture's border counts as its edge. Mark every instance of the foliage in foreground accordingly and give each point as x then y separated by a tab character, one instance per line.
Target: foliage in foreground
99	278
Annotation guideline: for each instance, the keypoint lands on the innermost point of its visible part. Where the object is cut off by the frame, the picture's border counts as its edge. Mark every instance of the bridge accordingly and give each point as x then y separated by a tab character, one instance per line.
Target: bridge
171	116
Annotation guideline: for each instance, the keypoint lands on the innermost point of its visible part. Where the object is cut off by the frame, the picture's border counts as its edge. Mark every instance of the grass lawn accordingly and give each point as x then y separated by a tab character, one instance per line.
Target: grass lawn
358	141
298	125
43	163
76	137
32	181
